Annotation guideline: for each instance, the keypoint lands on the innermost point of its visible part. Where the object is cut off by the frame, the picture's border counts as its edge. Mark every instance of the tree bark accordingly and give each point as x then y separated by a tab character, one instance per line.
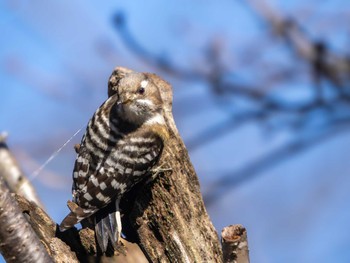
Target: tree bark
14	176
19	243
72	246
168	217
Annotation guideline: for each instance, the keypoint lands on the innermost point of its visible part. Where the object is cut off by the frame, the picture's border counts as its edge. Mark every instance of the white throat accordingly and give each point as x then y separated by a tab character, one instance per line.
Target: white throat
156	119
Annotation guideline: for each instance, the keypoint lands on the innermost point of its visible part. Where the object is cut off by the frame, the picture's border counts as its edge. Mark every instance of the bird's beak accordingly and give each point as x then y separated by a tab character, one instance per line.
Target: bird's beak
123	100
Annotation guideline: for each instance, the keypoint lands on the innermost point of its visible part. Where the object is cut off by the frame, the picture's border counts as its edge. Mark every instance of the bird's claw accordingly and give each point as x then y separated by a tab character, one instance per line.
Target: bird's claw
160	169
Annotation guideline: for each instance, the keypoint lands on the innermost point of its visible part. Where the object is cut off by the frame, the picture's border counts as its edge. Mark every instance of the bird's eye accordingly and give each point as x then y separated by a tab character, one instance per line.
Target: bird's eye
141	90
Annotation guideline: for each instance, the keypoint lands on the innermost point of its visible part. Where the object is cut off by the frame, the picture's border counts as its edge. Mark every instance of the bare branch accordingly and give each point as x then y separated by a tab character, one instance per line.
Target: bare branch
323	63
288	150
72	245
19	242
334	68
14	176
119	22
267	107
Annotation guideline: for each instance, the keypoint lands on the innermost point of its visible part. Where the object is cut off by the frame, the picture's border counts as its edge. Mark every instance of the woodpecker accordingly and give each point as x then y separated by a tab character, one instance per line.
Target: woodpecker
122	144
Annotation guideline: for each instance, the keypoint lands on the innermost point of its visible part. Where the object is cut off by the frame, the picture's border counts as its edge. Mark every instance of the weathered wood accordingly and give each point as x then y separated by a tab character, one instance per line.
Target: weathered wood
13	174
45	229
72	245
168	217
18	241
235	244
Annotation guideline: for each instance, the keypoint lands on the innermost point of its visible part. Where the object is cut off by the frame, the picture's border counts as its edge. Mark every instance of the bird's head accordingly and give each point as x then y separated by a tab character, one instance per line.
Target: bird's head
137	98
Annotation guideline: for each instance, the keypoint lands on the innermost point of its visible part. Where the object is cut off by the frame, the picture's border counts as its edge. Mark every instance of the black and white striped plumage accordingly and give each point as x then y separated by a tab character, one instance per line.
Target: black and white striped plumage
122	143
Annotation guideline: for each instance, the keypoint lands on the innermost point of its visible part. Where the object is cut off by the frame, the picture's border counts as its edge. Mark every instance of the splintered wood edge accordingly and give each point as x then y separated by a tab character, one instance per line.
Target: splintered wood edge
233	233
235	244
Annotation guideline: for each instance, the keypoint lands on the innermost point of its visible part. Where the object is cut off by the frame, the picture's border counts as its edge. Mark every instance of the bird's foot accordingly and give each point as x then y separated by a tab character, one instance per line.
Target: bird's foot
160	169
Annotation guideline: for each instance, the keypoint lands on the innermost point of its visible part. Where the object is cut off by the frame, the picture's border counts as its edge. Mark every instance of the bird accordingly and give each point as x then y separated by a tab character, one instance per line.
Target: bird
123	142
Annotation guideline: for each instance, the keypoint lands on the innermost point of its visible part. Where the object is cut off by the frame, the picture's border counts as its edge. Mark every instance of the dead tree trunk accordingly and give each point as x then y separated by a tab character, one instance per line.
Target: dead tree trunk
168	217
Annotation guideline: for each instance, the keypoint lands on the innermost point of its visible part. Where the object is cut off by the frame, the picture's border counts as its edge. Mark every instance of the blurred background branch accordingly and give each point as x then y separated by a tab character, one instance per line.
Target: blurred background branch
319	118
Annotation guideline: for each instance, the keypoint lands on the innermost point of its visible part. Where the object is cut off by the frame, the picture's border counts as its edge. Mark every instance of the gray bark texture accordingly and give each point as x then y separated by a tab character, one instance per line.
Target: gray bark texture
18	241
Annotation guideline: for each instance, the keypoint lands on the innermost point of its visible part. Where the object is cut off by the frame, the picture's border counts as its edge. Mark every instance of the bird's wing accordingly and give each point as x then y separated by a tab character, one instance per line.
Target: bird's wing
122	168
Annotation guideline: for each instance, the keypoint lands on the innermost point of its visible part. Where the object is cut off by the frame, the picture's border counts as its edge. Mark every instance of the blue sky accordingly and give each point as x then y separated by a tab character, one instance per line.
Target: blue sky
55	60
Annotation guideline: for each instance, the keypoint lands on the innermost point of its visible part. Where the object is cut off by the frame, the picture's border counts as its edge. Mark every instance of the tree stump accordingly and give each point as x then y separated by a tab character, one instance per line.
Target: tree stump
168	218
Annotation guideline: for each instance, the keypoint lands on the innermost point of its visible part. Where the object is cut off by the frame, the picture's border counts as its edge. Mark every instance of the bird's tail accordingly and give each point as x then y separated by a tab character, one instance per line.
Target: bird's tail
75	216
108	227
107	223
